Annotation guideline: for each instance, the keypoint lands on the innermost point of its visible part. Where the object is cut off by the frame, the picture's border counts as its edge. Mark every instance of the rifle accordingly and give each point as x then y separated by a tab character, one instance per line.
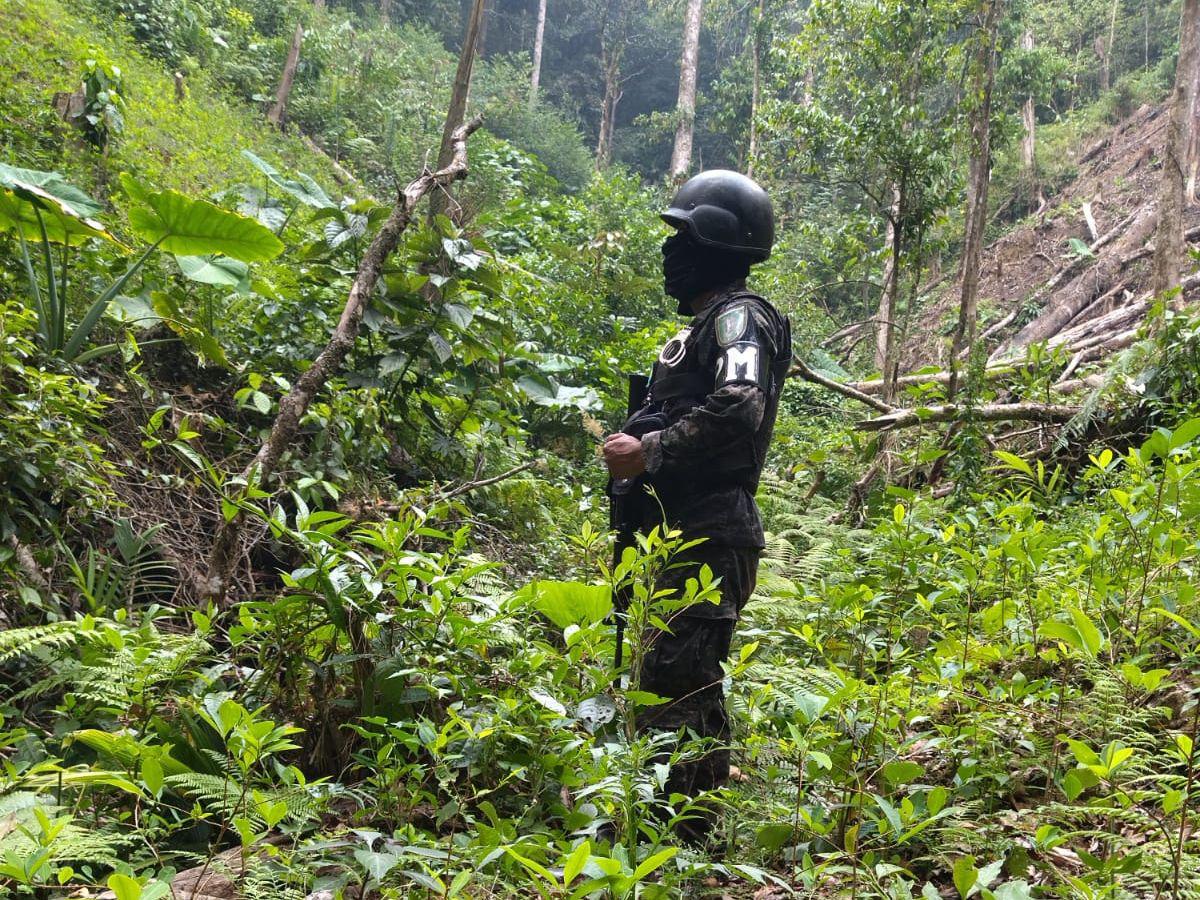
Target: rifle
624	498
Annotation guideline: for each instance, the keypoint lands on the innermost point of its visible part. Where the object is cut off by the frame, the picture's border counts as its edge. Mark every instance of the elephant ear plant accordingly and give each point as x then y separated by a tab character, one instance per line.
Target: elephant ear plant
45	212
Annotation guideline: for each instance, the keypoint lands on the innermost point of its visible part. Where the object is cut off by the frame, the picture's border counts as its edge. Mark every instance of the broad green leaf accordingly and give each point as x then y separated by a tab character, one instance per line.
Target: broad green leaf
572	602
65	211
1012	461
188	227
890	813
1185	434
652	863
1172	800
218	270
902	771
124	887
376	864
772	837
645	698
1089	635
52	183
549	702
1061	631
965	875
135	311
538	387
1013	890
1082	752
152	775
302	188
576	861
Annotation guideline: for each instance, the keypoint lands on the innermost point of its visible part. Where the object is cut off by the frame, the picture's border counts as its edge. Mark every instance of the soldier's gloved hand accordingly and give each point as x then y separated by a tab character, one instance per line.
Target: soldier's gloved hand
623	455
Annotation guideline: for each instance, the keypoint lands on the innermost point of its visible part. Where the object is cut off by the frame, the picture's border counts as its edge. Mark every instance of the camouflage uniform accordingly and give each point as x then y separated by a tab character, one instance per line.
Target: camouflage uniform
713	400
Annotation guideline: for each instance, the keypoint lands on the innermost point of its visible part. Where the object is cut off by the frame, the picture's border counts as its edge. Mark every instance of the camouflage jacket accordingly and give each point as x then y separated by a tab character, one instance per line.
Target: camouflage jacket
713	400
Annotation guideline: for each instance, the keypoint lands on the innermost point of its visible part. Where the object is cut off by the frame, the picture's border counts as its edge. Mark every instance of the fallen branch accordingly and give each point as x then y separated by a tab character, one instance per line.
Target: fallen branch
996	412
295	403
1082	291
943	378
803	371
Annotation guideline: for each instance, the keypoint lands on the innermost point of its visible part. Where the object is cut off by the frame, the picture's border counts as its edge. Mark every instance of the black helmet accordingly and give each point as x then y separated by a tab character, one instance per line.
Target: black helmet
725	209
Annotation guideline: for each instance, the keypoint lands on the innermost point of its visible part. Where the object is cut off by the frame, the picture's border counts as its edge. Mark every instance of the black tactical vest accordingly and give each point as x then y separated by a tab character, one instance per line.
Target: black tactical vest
696	363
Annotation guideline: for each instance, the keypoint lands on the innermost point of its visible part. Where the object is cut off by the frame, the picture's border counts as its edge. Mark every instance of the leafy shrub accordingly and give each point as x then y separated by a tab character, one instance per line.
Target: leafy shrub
49	459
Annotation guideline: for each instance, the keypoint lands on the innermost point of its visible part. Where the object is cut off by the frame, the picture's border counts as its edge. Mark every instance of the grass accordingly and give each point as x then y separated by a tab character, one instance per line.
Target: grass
192	146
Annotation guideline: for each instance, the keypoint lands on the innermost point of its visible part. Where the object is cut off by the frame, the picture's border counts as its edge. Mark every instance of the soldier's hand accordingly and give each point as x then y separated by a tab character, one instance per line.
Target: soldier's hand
623	455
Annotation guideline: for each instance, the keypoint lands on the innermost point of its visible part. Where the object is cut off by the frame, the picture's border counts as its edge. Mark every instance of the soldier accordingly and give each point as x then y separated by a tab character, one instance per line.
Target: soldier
700	442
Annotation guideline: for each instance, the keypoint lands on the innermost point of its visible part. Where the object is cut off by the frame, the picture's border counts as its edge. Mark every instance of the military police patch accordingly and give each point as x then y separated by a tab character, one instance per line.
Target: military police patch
731	324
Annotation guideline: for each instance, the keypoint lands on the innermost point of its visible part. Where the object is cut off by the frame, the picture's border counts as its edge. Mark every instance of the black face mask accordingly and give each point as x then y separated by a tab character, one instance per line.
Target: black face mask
690	270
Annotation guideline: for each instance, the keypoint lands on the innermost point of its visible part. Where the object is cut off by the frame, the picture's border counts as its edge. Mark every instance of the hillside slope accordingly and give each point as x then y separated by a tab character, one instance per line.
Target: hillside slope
192	145
1034	267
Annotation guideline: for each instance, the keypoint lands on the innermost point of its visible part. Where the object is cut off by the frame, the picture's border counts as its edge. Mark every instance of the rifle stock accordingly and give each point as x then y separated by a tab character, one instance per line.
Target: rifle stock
624	496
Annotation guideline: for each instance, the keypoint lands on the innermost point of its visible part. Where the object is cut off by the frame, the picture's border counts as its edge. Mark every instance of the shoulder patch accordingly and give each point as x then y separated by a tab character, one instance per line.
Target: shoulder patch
731	324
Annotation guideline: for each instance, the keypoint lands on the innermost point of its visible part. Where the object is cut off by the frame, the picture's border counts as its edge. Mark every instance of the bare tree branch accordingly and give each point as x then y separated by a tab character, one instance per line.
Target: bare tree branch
295	403
803	371
996	412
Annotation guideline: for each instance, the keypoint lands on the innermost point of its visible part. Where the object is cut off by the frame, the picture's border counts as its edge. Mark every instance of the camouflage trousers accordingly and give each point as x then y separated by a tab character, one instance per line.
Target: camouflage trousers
685	666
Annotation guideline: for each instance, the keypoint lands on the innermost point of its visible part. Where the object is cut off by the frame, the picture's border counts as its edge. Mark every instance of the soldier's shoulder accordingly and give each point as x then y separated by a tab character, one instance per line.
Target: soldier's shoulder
756	306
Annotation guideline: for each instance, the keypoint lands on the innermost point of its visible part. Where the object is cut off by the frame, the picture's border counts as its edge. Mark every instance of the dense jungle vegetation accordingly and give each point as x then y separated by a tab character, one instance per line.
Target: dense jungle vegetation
306	571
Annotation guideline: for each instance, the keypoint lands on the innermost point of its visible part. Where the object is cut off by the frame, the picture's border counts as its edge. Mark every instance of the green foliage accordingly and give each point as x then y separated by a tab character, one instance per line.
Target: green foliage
48	450
102	86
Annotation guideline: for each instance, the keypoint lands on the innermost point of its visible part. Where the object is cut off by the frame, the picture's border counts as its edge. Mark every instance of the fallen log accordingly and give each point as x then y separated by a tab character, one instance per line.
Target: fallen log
994	412
1069	302
941	378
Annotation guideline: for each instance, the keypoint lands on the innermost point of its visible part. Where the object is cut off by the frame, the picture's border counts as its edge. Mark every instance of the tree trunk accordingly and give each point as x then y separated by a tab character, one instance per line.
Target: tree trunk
385	11
1029	121
278	111
983	77
292	407
885	331
755	89
681	156
457	109
608	109
538	35
1193	139
1106	56
1170	248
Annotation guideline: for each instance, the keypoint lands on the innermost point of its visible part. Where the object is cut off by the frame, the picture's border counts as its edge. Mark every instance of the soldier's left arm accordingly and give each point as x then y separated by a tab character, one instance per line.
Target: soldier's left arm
742	353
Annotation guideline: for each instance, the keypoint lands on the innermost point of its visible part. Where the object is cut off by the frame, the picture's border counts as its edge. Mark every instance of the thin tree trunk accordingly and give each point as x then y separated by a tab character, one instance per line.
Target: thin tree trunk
292	407
457	109
1193	138
681	156
885	331
1029	138
755	90
1169	245
608	111
278	111
538	35
484	20
984	76
1108	49
385	11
